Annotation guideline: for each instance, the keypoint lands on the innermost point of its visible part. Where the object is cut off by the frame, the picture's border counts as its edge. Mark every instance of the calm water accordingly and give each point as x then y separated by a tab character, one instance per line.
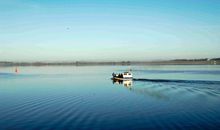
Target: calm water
85	98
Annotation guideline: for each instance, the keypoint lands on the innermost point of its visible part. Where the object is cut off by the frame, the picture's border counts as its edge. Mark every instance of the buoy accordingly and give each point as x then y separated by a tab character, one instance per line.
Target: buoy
16	70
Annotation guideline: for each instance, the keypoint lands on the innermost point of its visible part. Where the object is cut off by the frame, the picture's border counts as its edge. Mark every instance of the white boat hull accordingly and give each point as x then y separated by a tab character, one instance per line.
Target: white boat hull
115	78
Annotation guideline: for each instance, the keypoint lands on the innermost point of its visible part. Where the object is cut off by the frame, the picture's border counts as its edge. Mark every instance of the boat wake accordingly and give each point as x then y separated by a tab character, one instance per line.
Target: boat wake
178	81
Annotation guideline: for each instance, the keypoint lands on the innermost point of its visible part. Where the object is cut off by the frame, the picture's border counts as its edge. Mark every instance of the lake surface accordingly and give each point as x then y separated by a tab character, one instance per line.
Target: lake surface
70	97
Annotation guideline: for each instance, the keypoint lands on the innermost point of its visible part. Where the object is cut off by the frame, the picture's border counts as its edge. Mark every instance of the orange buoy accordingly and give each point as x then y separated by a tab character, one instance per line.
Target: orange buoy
16	70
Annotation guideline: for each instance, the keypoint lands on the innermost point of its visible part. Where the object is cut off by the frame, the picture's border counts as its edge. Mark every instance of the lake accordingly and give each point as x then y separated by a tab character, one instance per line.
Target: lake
84	97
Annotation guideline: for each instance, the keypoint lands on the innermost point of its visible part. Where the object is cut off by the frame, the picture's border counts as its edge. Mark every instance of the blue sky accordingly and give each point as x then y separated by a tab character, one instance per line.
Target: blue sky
70	30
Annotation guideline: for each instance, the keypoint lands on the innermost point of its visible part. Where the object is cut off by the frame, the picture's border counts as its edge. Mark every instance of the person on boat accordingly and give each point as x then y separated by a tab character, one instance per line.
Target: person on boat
113	74
120	75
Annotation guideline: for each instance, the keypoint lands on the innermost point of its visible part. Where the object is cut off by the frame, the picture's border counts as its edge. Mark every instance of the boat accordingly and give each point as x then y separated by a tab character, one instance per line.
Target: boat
122	76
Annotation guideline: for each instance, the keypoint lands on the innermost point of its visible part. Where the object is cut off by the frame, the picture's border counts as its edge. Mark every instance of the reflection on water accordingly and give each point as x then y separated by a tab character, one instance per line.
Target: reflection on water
54	98
126	83
147	91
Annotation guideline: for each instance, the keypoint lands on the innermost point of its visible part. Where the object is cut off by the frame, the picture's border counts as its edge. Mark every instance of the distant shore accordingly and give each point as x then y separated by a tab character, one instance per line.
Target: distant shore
214	61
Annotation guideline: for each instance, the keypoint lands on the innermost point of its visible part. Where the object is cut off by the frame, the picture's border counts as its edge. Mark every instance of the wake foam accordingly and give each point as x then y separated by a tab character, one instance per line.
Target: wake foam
178	81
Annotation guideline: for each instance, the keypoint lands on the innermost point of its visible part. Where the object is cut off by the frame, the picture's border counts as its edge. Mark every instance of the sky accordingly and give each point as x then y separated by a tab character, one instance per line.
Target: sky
108	30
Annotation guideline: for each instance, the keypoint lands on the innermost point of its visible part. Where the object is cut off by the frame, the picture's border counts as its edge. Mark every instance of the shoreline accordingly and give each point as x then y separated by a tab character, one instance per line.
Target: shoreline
110	63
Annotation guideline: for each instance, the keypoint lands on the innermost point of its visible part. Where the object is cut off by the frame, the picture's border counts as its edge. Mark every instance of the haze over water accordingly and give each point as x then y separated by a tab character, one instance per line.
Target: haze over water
86	98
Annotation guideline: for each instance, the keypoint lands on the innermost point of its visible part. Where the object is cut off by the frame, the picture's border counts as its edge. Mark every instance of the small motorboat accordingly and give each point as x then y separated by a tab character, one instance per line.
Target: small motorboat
122	76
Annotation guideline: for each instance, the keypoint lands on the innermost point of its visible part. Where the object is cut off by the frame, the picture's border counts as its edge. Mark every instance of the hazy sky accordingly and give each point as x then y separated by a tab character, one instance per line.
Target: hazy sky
39	30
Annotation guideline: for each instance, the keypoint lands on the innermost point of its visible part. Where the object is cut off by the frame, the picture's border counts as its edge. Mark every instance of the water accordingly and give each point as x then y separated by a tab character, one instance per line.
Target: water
86	98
